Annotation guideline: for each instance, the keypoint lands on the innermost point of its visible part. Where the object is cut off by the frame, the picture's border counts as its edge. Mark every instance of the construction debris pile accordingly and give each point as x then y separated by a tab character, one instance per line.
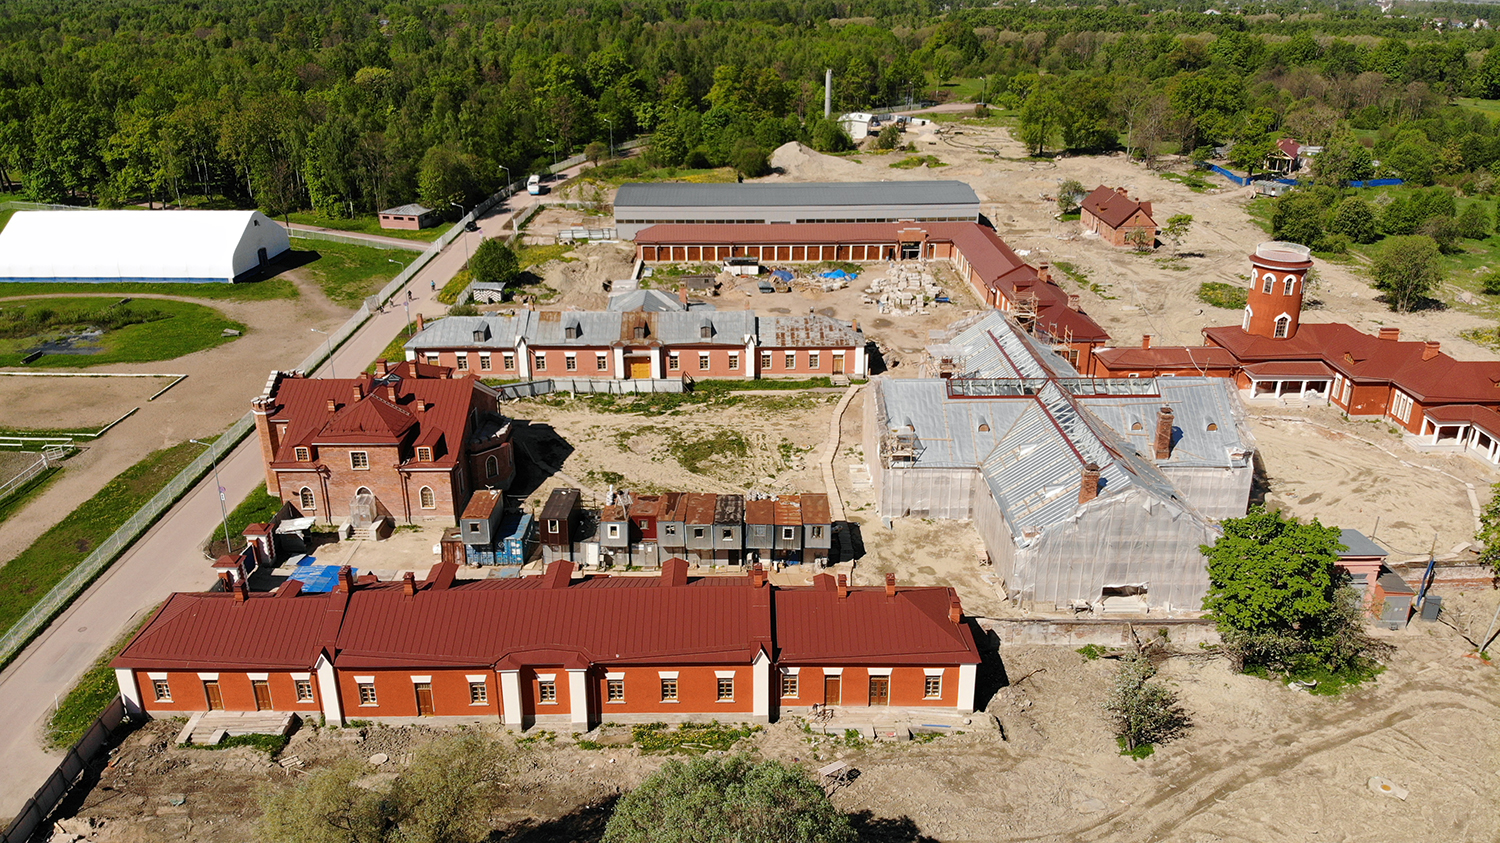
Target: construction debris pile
908	290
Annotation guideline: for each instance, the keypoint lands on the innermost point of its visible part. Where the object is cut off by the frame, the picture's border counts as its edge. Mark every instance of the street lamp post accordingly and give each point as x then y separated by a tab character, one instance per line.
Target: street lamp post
223	512
331	372
554	151
508	180
461	234
611	135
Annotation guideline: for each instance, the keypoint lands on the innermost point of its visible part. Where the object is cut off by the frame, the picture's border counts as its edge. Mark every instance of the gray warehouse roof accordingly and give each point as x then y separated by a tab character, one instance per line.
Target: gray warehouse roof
795	194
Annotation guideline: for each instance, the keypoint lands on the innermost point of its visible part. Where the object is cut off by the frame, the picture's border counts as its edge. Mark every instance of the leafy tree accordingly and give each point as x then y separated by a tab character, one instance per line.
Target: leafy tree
1343	159
1474	222
889	137
829	136
1069	194
1489	520
446	176
1413	162
750	161
1297	218
493	262
1355	218
1140	239
1250	155
1444	232
1144	712
1177	228
1401	216
1039	118
1406	270
447	795
732	799
596	152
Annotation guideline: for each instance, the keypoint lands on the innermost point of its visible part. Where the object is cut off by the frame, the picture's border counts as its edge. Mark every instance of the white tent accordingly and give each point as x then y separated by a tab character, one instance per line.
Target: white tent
175	246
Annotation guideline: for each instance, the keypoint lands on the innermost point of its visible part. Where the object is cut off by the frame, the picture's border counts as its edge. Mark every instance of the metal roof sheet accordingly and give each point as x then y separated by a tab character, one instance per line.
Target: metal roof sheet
699	508
561	504
814	626
809	331
794	194
410	208
761	511
1358	544
729	509
483	504
725	327
216	630
815	509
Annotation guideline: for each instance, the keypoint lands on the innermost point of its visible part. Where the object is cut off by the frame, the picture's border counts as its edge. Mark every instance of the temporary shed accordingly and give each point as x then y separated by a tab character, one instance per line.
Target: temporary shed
152	246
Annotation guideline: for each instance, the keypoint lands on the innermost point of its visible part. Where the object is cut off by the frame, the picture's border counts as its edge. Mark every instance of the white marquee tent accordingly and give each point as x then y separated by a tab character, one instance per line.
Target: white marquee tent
173	246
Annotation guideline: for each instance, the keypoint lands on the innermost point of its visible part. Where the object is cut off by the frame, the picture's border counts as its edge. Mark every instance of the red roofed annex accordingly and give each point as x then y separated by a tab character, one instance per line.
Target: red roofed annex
553	649
407	442
1113	215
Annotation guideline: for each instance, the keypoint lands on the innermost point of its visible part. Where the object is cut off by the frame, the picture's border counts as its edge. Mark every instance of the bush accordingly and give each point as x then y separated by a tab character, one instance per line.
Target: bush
1490	283
1444	232
1474	222
889	137
1298	218
1356	219
1336	244
1220	294
1144	713
494	263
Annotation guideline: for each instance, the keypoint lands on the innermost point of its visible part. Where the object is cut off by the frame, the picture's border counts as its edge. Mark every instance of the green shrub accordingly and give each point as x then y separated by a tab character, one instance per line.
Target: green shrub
1220	294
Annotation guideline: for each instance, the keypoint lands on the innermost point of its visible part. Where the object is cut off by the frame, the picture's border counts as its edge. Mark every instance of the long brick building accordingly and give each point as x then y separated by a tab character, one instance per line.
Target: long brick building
553	649
407	442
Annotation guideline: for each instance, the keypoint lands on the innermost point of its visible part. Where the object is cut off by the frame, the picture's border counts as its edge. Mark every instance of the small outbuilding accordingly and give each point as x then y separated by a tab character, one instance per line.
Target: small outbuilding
410	217
1114	216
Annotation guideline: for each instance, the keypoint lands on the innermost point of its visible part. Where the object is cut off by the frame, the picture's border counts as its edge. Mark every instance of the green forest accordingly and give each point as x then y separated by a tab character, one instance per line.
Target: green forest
344	107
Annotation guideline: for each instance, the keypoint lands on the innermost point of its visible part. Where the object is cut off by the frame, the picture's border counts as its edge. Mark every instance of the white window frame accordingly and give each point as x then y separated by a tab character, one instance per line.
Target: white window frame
674	362
367	696
614	682
427	498
927	687
1401	405
601	361
734	361
570	361
507	361
614	531
462	359
790	360
788	533
299	684
766	358
303	453
1283	327
432	359
704	361
358	457
424	453
307	500
541	361
813	359
484	361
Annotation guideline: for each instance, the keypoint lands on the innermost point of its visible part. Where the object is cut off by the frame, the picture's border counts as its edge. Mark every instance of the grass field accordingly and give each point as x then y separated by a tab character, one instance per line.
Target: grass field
259	508
271	288
88	699
1489	108
24	494
348	274
183	329
395	351
367	225
27	578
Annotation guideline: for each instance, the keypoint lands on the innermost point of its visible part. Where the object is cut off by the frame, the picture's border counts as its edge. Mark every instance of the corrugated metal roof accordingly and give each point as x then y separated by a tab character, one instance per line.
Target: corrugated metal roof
809	331
725	327
497	331
561	503
1208	418
650	300
195	631
788	511
813	626
794	194
729	509
815	509
1358	544
483	504
700	508
761	511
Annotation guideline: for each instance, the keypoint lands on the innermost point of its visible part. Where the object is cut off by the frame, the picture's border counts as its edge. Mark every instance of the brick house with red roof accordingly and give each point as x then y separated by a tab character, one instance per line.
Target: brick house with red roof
1113	215
411	436
553	649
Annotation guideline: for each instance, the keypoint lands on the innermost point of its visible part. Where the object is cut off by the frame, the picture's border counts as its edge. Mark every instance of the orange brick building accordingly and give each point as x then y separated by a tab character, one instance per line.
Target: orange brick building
409	440
553	649
1114	216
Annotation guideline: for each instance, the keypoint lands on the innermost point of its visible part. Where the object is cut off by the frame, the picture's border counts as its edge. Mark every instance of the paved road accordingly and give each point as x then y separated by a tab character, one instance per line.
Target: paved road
168	557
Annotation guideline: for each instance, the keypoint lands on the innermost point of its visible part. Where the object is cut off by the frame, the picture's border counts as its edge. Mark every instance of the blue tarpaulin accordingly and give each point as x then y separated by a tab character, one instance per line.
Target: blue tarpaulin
839	274
782	274
317	579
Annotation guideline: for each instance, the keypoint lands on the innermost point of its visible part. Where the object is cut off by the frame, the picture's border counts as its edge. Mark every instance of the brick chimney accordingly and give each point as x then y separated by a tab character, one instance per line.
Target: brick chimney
1145	340
1044	272
955	610
1075	301
390	393
890	585
758	575
843	586
1430	349
1089	488
419	323
1164	433
419	405
1392	334
382	368
682	295
226	581
346	581
333	406
241	591
359	391
409	584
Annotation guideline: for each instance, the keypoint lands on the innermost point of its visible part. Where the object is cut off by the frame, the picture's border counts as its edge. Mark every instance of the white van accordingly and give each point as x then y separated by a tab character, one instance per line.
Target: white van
534	185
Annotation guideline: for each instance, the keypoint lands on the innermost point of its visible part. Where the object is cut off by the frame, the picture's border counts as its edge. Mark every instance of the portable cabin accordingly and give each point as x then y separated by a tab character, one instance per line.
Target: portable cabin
760	529
698	527
645	513
481	518
614	535
788	521
817	529
729	530
559	525
670	528
517	538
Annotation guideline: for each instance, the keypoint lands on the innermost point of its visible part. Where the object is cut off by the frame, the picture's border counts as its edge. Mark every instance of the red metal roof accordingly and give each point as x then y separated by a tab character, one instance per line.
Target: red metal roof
1113	206
815	510
1485	418
1166	357
699	507
214	630
1368	359
760	512
717	234
484	503
1290	369
813	626
788	511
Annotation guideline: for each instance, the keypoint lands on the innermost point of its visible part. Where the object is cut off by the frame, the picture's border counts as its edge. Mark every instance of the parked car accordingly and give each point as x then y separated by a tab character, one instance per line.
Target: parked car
471	226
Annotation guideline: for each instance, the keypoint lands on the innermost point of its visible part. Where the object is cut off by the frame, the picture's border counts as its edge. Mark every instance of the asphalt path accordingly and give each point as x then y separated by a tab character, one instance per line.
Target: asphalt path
168	558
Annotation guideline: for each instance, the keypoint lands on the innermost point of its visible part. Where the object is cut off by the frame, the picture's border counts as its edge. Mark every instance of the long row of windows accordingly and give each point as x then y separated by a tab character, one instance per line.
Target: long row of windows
161	691
308	502
601	361
764	221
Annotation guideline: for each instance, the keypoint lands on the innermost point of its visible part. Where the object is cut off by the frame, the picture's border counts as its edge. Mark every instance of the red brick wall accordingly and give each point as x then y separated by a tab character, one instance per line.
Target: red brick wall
396	693
697	691
803	369
1369	400
234	688
531	694
906	687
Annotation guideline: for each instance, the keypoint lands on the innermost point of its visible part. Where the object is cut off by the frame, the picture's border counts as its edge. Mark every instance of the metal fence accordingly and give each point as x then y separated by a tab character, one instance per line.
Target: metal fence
51	793
309	234
50	606
530	389
51	455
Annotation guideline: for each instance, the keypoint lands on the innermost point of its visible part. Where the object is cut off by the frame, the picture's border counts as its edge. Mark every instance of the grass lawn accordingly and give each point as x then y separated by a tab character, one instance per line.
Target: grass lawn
367	225
183	328
395	350
529	256
271	288
258	508
965	89
999	117
23	494
31	575
5	214
88	699
455	285
1489	108
348	274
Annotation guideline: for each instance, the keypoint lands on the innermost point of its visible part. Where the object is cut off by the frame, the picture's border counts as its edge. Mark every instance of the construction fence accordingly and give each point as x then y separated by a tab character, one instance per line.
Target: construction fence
52	792
623	386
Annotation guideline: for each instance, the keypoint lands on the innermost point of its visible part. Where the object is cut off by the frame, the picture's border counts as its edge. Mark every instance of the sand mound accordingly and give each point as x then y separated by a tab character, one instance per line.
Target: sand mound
801	163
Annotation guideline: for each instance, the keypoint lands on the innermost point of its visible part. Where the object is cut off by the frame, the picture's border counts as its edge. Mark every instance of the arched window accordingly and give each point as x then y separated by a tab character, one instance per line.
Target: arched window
307	501
428	499
363	490
491	466
1136	426
1283	322
1270	281
1212	426
1245	326
1288	284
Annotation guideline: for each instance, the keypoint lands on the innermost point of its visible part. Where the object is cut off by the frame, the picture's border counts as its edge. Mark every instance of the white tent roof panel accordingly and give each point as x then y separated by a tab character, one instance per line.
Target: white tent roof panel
181	246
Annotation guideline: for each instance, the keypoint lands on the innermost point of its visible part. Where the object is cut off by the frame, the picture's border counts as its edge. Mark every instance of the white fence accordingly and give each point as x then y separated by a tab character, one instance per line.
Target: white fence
51	455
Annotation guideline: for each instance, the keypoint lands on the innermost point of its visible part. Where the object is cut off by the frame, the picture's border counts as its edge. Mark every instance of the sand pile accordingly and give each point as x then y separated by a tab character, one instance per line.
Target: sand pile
796	162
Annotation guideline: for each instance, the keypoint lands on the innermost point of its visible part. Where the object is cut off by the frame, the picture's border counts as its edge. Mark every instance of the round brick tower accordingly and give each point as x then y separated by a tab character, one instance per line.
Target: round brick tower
1274	304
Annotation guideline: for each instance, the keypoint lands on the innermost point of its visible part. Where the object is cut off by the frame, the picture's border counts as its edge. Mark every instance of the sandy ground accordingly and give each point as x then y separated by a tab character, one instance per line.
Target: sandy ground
1261	763
220	383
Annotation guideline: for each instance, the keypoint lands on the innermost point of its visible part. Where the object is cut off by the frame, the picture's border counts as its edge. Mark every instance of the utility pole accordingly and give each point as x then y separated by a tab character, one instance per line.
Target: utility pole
223	513
828	92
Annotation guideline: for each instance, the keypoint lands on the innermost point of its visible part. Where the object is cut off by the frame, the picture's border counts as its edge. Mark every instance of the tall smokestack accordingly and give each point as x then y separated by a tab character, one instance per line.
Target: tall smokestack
828	92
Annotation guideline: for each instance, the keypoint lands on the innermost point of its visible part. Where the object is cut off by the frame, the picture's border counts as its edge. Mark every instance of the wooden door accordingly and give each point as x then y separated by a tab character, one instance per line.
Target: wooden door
838	364
640	368
880	690
832	688
424	699
262	695
215	699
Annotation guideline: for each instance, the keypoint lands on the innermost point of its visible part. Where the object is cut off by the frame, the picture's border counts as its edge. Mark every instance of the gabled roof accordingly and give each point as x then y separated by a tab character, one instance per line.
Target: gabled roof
483	504
1201	357
658	301
1113	207
813	626
794	194
809	331
1289	147
214	630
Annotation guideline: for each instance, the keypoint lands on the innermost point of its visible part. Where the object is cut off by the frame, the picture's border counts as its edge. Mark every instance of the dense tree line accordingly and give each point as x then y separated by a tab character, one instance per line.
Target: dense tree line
348	106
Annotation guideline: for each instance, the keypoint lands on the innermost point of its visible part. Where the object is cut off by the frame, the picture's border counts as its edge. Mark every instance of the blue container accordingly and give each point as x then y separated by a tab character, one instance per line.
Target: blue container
517	537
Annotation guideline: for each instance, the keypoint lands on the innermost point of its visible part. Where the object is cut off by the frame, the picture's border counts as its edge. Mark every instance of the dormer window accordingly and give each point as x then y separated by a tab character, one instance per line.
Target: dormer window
304	454
640	332
424	454
706	332
572	332
479	335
